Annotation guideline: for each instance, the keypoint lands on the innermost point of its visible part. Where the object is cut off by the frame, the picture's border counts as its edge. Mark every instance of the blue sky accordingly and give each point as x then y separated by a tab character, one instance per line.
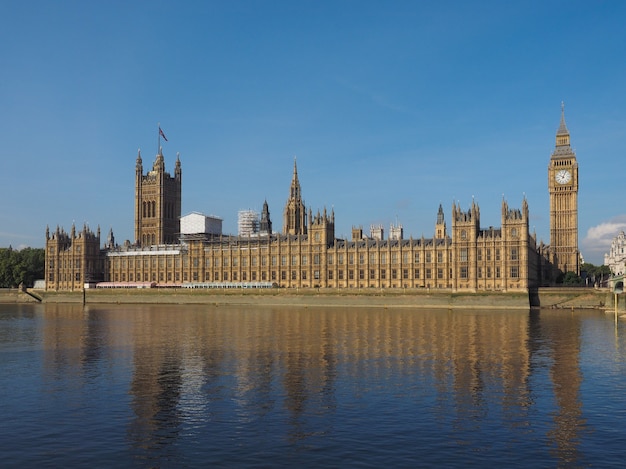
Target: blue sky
391	108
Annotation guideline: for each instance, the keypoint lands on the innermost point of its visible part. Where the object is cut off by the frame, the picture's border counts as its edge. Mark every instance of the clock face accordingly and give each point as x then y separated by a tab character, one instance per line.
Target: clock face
563	176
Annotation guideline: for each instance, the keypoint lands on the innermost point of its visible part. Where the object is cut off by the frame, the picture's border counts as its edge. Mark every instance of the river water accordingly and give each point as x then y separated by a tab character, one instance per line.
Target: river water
225	386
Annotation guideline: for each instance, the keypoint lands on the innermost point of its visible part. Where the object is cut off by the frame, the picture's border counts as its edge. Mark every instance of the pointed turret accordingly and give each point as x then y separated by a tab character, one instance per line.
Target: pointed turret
265	226
295	183
139	163
562	134
440	215
440	227
111	239
159	162
177	170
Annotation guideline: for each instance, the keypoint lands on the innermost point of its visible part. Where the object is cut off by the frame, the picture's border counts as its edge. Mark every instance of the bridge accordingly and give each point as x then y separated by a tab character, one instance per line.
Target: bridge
617	287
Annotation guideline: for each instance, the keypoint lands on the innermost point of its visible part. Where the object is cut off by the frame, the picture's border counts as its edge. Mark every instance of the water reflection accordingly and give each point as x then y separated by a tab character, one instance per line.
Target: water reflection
235	384
560	334
264	356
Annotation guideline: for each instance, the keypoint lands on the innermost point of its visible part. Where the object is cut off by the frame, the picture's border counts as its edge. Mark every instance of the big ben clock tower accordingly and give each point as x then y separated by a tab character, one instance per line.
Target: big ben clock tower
563	186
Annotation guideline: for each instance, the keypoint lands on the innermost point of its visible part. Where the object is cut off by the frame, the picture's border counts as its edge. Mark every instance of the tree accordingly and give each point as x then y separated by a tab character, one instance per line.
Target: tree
595	274
6	267
23	266
572	279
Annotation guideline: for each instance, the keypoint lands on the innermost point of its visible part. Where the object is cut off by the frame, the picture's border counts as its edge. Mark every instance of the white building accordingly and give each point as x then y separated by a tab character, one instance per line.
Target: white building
197	223
396	232
377	232
616	258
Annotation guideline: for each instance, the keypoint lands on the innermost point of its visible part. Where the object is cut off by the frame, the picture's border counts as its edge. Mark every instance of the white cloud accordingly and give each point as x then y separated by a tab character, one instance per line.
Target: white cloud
597	242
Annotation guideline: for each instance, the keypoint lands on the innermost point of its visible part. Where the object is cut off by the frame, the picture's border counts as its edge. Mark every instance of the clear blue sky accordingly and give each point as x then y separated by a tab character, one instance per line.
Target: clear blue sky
391	108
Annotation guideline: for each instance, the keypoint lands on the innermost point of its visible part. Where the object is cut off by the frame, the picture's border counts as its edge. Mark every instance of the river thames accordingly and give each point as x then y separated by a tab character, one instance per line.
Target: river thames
208	386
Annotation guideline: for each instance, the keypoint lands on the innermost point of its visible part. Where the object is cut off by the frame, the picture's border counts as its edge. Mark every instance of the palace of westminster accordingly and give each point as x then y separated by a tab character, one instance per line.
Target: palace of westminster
191	251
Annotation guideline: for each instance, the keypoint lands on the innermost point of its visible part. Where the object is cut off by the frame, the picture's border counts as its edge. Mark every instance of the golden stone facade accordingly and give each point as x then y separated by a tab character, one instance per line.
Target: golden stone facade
483	260
563	187
308	255
157	203
73	259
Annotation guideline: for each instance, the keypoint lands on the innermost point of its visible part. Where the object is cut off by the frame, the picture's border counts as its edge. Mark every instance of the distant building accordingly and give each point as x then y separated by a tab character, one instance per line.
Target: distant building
395	232
170	250
616	257
377	232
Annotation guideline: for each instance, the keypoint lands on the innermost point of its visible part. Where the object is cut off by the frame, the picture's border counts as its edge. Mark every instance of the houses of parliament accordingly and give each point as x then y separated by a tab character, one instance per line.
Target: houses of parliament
461	256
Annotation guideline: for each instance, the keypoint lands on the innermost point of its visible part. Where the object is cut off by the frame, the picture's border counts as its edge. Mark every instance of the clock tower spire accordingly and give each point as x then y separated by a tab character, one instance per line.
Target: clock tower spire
563	188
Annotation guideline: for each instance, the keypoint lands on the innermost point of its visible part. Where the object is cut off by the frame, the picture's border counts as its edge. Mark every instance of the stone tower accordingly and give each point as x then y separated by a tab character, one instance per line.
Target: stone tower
440	226
322	229
295	212
157	203
465	232
265	226
72	259
563	187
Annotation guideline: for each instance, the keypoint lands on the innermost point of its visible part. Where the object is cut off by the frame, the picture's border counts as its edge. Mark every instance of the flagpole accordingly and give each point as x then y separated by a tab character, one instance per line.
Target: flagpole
159	137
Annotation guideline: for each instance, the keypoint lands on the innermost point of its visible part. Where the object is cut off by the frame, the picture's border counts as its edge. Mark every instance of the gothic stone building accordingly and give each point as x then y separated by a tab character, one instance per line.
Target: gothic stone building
563	188
157	203
73	259
467	257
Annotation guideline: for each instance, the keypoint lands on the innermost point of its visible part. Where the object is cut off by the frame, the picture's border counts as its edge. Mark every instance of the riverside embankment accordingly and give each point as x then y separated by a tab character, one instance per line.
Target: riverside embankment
564	298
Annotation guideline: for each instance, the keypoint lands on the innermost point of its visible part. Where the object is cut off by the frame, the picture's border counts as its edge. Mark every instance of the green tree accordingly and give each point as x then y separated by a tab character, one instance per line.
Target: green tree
572	279
6	267
595	274
23	266
31	266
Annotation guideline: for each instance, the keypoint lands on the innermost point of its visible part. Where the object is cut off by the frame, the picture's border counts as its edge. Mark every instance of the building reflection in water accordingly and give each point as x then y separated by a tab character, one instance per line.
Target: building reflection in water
291	372
560	336
84	341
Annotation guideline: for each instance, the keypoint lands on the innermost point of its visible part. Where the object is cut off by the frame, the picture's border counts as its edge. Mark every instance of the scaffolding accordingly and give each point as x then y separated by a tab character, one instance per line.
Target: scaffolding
248	223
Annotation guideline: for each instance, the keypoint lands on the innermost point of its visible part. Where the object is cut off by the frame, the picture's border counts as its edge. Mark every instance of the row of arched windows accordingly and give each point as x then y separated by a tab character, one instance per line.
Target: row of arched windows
147	239
149	209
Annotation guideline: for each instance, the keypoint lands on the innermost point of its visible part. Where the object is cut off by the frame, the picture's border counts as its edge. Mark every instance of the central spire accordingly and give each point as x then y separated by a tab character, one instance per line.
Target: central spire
295	219
295	184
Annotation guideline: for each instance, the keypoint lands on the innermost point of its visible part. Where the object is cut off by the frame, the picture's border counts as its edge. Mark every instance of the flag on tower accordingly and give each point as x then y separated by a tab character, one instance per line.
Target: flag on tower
162	134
